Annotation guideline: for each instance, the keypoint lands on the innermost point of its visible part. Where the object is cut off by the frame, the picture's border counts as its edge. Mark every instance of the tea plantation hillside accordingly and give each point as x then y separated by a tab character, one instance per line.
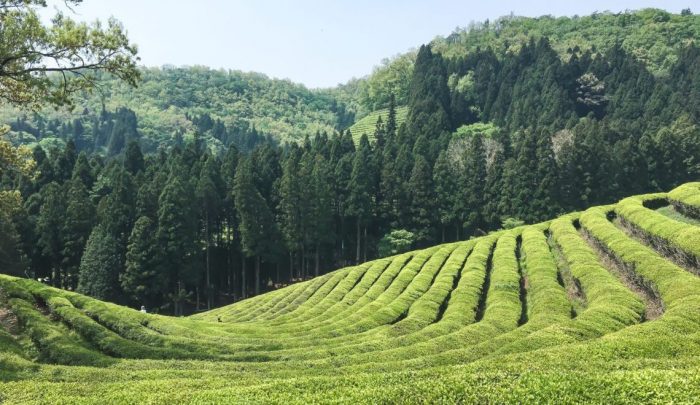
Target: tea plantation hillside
368	124
597	306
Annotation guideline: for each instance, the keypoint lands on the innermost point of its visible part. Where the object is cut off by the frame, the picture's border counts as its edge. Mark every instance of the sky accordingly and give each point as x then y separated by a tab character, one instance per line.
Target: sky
319	43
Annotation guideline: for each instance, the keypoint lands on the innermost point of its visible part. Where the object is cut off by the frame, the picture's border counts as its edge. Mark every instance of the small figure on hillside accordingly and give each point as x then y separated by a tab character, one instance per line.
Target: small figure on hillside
143	309
218	318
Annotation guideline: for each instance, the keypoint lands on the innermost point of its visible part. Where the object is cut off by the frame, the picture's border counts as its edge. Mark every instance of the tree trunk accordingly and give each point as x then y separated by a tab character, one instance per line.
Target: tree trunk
257	275
443	233
364	248
316	267
243	292
196	291
303	262
342	240
357	240
301	265
229	271
209	289
291	265
177	299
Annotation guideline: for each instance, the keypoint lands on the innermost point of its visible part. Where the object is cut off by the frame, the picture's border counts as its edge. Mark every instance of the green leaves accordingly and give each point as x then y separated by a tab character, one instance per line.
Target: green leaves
31	51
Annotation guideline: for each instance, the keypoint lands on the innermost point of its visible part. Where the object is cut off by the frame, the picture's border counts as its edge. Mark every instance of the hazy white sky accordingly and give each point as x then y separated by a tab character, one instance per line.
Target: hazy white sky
316	42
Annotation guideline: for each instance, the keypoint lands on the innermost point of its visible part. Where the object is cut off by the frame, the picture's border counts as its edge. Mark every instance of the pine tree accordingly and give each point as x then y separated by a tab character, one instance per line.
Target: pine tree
133	158
423	210
342	175
176	237
49	225
545	199
65	162
473	181
290	207
321	210
141	280
208	192
116	211
360	192
493	190
228	174
257	225
391	118
380	133
446	187
429	98
77	225
99	277
83	171
123	131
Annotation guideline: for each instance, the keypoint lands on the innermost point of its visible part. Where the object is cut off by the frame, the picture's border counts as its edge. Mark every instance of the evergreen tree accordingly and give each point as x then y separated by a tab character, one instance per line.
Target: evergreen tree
446	187
133	158
208	192
65	162
360	192
472	185
99	276
321	210
391	128
429	99
228	174
141	281
83	171
257	223
77	225
290	207
342	176
49	224
423	210
176	237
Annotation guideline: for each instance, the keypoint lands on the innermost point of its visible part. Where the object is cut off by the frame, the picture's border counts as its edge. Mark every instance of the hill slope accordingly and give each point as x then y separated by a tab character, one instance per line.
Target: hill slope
594	306
368	124
168	97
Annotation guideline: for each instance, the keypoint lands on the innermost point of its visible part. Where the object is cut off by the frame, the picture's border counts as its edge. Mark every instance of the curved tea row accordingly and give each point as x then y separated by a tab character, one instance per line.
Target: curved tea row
590	304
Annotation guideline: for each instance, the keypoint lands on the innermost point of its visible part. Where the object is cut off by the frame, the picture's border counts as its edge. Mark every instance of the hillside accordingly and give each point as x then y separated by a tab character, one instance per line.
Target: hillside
590	307
168	97
368	124
653	36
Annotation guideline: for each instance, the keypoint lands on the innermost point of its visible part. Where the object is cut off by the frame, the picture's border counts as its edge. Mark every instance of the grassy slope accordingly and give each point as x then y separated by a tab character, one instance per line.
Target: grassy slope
367	124
489	319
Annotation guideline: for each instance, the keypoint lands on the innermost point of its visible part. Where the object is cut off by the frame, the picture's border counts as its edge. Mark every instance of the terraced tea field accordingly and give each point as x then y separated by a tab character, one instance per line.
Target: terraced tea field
367	124
598	306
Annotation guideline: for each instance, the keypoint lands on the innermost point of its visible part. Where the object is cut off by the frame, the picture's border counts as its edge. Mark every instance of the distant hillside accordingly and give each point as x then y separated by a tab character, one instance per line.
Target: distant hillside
653	36
168	98
597	306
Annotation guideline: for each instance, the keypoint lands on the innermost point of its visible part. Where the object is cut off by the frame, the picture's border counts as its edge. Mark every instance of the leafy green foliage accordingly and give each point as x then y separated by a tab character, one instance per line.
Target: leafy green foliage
99	265
395	242
32	50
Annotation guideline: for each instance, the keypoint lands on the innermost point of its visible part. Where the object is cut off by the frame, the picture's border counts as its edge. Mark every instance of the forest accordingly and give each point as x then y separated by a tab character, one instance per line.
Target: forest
491	140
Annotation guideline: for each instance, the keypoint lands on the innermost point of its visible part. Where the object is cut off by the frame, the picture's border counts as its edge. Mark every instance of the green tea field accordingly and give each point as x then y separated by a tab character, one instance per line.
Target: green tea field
601	306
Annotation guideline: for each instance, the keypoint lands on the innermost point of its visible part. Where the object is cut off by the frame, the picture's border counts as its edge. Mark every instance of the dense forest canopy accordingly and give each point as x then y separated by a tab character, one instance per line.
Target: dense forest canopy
653	36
